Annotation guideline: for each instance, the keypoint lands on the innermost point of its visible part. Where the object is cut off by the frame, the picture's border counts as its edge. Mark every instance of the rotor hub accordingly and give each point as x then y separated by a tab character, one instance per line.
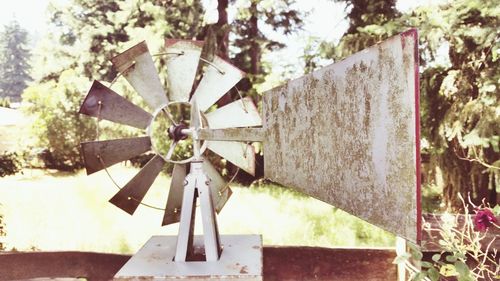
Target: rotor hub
177	132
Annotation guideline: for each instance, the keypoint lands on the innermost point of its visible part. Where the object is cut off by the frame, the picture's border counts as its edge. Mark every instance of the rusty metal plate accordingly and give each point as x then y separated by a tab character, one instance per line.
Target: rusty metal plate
98	155
183	58
219	77
113	107
239	153
218	187
137	66
131	195
240	113
348	135
174	201
241	259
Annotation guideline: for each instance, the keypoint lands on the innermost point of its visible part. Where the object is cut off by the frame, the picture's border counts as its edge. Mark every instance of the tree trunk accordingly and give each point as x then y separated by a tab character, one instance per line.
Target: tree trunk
254	33
222	35
465	177
222	30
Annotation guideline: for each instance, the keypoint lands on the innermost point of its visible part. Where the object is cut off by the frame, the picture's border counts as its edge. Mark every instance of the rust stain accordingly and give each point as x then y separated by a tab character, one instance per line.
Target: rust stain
244	270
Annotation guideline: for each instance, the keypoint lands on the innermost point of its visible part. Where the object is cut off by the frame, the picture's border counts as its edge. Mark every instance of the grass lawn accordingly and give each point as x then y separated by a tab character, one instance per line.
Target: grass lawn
50	210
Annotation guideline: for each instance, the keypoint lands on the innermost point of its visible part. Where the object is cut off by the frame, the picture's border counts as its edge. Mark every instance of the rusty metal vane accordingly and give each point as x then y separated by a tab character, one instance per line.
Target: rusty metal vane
98	155
174	201
131	195
348	134
103	103
137	66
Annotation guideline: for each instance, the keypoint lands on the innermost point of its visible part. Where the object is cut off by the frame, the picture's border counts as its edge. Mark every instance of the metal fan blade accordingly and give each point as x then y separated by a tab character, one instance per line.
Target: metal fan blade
218	186
232	134
240	113
182	63
137	65
131	195
238	153
104	103
218	78
195	114
174	201
98	155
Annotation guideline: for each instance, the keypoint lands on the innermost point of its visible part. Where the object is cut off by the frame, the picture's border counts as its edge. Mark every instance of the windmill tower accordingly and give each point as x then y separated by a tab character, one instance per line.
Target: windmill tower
347	134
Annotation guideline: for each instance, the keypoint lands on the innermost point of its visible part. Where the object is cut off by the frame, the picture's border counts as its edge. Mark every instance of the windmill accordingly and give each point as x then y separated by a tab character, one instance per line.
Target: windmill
346	134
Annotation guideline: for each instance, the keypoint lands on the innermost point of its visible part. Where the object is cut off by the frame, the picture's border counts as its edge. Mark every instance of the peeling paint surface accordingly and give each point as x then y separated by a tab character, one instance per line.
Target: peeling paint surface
346	134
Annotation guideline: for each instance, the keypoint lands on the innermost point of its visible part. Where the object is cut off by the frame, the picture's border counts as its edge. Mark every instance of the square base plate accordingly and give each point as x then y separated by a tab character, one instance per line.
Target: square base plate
241	259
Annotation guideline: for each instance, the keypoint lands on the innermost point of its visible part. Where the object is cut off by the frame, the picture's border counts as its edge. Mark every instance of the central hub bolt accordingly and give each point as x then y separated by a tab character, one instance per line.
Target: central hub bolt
175	132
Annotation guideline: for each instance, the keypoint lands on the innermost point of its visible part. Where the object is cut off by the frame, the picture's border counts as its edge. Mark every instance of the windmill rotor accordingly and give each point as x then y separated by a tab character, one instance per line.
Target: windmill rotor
137	67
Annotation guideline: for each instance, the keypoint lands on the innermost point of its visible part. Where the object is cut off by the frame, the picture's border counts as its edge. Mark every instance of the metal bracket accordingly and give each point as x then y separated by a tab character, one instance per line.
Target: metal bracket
197	185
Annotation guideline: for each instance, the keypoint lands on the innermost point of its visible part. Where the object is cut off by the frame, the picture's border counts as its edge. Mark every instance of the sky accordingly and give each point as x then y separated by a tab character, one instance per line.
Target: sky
29	13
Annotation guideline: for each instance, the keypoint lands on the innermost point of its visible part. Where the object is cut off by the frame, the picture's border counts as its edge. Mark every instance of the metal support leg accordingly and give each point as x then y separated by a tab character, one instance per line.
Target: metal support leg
210	233
197	181
186	223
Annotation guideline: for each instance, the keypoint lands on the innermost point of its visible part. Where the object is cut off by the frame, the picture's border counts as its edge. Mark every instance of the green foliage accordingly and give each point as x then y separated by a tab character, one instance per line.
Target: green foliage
14	61
460	97
88	33
463	254
249	41
10	164
57	125
432	198
370	22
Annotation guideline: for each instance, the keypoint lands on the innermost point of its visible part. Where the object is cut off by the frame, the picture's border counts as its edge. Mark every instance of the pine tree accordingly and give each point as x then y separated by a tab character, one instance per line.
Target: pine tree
14	61
250	40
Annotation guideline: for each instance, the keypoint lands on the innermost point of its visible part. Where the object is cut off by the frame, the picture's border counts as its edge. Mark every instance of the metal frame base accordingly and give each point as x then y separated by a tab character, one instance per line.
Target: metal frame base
241	259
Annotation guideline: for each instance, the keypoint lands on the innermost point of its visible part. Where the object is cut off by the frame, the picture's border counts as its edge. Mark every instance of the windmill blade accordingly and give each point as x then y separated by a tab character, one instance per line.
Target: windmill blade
240	113
102	102
219	77
174	201
240	154
131	195
195	118
233	134
98	155
219	190
182	63
348	135
137	66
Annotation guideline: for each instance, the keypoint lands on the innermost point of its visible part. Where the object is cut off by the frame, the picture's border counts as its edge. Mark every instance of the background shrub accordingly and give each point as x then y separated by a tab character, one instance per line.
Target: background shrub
5	102
58	128
10	163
